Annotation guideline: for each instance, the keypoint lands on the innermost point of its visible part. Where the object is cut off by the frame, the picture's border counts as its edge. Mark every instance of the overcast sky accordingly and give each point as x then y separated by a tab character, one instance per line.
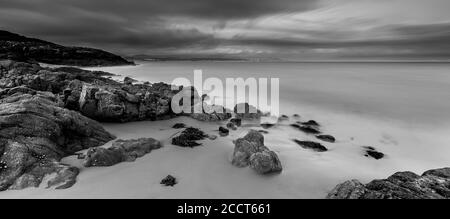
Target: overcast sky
285	29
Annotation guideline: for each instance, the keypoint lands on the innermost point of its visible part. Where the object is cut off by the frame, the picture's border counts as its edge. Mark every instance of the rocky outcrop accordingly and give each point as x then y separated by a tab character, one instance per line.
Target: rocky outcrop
20	48
250	151
34	128
120	151
433	184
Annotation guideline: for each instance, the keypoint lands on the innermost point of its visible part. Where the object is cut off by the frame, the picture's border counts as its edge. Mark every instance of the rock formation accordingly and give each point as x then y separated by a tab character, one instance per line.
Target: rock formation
432	184
250	151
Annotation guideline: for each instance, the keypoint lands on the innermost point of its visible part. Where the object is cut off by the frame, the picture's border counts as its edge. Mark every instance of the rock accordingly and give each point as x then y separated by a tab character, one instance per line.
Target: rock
179	126
306	129
129	81
250	150
237	122
223	131
372	152
352	189
263	131
401	185
265	162
267	125
56	175
120	151
231	126
326	138
34	127
311	145
245	111
189	138
311	123
212	137
211	113
169	181
296	116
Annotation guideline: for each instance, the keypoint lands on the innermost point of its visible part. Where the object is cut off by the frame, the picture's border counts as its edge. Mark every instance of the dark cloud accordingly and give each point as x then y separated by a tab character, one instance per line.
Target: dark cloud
170	26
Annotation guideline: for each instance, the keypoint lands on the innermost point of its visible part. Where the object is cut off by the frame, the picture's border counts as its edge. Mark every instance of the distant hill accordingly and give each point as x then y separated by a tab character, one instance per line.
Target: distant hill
21	48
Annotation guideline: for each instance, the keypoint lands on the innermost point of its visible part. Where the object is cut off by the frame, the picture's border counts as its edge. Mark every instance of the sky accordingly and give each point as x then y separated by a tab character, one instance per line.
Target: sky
255	29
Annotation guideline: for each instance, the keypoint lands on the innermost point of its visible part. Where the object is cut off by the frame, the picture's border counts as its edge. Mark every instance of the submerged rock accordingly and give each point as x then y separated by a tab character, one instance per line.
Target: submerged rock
169	181
372	152
223	131
326	138
189	138
267	125
433	184
250	151
306	129
179	126
120	151
311	145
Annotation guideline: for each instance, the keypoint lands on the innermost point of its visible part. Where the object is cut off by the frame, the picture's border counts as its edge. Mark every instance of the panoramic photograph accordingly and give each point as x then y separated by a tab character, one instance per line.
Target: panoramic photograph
216	99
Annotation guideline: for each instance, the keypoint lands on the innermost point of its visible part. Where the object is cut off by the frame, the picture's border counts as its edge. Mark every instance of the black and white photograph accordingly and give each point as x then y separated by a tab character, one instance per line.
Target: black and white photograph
225	100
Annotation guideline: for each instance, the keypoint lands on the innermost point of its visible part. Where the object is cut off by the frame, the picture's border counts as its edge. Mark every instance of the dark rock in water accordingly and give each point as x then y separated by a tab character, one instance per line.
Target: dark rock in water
223	131
267	125
433	184
237	122
311	145
306	129
231	126
296	116
129	81
311	123
188	138
169	181
372	152
250	150
247	112
120	151
179	126
21	48
327	138
263	131
34	127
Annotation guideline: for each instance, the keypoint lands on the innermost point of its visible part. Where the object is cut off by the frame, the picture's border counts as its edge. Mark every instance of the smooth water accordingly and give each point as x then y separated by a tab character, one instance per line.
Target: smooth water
411	93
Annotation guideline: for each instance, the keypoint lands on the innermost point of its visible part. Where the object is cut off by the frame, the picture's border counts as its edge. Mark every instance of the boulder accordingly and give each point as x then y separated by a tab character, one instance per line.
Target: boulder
237	122
120	151
265	162
250	151
433	184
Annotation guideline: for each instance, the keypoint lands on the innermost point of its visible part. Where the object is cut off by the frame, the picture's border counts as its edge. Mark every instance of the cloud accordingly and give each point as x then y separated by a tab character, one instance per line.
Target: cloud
282	28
